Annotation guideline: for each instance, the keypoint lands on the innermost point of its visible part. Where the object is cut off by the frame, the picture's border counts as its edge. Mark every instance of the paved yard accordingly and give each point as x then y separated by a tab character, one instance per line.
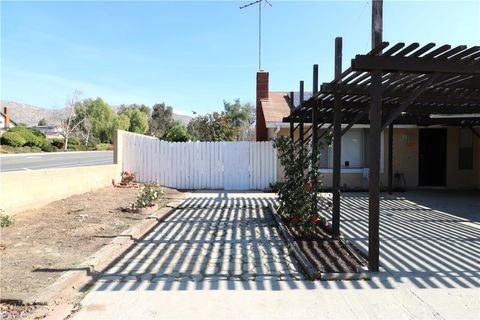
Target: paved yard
220	257
428	248
209	238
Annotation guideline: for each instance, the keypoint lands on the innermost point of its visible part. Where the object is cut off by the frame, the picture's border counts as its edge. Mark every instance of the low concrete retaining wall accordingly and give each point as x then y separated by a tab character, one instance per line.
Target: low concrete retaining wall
21	190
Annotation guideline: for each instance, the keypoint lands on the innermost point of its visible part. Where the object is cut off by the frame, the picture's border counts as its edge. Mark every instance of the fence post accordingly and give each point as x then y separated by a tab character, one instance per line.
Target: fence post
118	150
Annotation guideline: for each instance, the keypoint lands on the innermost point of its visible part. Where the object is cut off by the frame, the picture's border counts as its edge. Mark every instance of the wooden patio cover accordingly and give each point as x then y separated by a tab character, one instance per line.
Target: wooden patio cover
399	84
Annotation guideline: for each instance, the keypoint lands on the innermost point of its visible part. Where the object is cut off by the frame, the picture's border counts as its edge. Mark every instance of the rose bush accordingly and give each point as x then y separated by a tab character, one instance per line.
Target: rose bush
127	178
299	202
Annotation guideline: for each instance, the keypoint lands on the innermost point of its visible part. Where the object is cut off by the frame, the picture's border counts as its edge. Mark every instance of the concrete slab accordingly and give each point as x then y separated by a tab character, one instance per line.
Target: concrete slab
431	258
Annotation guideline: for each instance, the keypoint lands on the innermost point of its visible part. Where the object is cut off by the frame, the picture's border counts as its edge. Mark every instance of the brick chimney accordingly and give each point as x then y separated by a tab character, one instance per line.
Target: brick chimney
262	93
6	111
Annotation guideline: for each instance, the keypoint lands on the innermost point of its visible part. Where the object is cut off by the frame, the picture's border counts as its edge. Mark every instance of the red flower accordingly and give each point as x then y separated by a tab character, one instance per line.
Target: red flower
127	173
309	186
315	219
294	220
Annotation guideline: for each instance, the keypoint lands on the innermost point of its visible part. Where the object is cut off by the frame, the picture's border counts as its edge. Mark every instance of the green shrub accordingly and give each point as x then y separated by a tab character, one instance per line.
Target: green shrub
92	142
38	133
73	141
78	147
13	139
32	137
48	147
6	220
148	194
103	147
57	142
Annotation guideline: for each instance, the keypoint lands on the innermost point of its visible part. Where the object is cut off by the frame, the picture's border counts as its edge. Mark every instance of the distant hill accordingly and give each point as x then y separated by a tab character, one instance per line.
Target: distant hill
30	115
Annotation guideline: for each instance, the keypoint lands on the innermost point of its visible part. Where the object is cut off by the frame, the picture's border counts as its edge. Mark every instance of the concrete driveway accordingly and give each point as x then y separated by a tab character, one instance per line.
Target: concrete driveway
219	257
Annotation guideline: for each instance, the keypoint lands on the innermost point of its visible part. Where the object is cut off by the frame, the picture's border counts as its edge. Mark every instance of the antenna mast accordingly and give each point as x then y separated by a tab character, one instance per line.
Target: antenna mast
259	27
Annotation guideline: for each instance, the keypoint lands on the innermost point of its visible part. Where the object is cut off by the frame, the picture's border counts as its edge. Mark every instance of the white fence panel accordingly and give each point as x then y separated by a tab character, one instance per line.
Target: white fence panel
200	165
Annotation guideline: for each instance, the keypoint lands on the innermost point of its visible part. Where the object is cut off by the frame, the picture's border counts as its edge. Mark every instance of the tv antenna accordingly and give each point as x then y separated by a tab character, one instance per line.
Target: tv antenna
259	27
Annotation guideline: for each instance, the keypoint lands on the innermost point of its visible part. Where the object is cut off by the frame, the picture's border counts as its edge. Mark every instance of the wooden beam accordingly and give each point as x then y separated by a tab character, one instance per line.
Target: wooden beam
315	159
375	130
301	133
414	65
429	97
337	143
357	118
292	131
392	116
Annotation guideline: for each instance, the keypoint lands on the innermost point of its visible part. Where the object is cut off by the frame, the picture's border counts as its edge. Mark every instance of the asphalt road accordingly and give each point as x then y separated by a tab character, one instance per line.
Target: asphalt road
54	160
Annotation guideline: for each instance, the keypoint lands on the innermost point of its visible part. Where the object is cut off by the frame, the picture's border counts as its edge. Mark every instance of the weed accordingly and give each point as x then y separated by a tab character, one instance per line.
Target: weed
6	220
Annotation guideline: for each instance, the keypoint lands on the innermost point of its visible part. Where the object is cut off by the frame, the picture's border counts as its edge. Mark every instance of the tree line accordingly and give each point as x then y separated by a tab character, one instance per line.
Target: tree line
93	121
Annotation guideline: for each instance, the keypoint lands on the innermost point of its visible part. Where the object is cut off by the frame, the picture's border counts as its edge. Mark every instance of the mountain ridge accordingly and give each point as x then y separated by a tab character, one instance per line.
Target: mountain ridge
31	115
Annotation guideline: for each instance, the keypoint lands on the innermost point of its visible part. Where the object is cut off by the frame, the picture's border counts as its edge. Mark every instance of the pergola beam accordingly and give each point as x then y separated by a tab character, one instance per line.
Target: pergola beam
413	65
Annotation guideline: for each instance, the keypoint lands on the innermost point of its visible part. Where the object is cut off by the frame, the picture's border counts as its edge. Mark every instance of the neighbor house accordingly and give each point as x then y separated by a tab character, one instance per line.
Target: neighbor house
5	121
49	131
436	156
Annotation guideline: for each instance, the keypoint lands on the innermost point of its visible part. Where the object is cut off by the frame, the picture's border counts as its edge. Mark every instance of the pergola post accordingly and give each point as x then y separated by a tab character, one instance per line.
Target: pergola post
375	131
292	128
315	138
390	159
337	143
300	125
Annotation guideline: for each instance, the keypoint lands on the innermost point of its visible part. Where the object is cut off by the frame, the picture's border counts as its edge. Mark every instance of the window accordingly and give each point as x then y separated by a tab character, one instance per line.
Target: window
465	150
354	150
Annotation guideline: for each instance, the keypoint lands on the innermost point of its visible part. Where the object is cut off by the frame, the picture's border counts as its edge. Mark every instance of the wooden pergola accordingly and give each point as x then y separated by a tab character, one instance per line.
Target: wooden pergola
392	84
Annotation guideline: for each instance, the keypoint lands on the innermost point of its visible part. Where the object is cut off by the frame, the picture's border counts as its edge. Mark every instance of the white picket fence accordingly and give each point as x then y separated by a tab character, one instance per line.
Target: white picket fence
239	165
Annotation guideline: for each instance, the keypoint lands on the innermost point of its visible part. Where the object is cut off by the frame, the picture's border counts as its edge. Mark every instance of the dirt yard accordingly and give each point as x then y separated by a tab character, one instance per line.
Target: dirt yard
43	243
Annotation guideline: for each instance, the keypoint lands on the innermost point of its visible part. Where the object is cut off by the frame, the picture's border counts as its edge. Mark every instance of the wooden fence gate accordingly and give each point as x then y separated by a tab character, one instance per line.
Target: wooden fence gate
242	165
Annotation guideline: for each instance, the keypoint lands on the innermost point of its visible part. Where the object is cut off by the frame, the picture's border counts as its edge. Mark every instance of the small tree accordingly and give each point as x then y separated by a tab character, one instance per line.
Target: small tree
216	126
161	120
138	120
42	122
178	133
242	116
74	119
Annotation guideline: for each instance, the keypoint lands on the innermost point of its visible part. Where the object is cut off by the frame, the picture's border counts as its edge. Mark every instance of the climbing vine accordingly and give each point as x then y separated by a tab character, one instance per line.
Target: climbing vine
298	197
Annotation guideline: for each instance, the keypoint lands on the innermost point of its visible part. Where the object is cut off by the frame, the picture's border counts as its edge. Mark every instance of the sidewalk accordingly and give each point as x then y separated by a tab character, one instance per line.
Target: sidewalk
220	257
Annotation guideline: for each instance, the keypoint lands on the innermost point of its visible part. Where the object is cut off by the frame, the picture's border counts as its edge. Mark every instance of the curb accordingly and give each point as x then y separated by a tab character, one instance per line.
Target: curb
8	155
96	263
311	272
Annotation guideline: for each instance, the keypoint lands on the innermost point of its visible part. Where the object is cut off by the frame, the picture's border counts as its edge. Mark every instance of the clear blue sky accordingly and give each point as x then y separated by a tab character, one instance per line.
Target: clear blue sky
193	55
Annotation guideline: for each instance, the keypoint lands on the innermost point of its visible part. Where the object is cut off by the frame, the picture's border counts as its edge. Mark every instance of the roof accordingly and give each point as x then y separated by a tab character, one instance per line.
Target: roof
421	84
276	107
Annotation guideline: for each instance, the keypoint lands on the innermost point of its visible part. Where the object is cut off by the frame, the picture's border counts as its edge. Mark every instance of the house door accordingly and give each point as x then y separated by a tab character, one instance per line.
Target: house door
432	157
236	174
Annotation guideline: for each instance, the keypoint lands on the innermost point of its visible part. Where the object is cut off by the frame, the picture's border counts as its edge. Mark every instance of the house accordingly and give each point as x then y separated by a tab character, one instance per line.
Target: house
49	131
5	121
436	156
